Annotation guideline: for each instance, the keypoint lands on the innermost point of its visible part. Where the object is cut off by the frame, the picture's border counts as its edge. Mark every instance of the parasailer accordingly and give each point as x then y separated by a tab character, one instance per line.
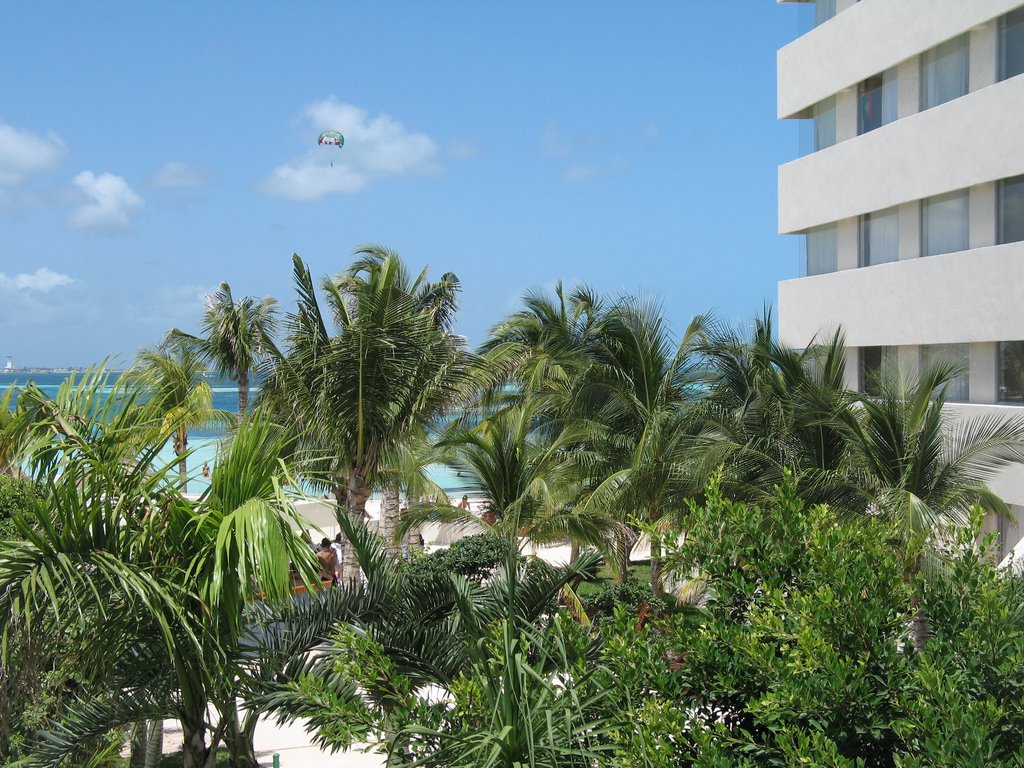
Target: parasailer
331	139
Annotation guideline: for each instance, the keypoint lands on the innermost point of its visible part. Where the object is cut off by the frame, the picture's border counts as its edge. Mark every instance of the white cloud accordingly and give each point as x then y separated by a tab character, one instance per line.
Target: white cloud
42	280
376	147
169	306
175	175
583	172
458	148
23	153
111	205
554	143
24	302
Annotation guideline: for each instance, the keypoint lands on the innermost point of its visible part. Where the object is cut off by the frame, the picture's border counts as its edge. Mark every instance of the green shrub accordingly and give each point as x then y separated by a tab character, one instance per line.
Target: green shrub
16	497
632	596
475	557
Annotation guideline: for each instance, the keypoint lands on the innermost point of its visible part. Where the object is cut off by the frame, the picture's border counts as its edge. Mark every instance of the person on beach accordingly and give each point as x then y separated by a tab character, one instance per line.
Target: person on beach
328	559
464	504
206	469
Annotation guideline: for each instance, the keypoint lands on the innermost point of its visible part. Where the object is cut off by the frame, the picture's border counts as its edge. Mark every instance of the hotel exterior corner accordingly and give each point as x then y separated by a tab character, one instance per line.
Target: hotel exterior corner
910	196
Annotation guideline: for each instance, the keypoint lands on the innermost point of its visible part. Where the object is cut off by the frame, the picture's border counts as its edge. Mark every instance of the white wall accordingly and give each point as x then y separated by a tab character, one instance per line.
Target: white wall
868	38
967	141
960	297
1009	483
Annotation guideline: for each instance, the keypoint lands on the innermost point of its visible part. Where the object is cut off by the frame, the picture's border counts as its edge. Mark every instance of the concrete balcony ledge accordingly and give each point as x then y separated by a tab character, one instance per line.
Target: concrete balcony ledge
967	141
970	296
868	38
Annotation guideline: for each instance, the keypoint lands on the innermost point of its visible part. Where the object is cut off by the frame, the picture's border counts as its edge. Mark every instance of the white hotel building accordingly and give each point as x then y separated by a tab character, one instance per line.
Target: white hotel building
911	198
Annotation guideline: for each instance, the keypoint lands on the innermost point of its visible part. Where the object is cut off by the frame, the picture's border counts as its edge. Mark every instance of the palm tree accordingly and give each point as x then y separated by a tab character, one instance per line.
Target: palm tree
380	644
236	337
116	544
530	480
923	469
770	408
643	431
175	380
8	421
391	364
541	351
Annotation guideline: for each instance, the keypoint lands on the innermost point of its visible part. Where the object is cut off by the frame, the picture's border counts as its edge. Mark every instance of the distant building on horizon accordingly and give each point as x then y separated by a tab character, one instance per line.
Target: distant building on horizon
909	196
9	365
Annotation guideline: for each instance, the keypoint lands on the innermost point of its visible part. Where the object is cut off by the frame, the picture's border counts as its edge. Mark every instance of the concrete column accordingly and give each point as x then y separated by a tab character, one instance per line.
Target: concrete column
908	89
982	215
846	114
910	230
848	237
983	61
852	377
983	372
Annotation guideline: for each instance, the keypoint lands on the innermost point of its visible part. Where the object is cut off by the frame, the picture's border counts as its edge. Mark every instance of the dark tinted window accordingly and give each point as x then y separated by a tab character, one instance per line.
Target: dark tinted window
1011	44
1011	371
1011	210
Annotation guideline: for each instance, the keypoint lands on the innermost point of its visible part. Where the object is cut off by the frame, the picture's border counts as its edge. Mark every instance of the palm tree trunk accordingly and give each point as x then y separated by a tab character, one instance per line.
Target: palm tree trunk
139	740
574	551
194	749
357	492
243	394
238	738
389	522
656	567
154	744
625	540
920	628
180	446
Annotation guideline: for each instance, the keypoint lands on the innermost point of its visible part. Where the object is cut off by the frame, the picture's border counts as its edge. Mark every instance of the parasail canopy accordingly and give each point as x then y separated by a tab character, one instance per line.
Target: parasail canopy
331	139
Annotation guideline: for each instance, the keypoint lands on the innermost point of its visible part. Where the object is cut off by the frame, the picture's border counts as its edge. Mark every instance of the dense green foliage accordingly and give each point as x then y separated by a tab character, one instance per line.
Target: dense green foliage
473	557
804	655
841	608
632	596
16	498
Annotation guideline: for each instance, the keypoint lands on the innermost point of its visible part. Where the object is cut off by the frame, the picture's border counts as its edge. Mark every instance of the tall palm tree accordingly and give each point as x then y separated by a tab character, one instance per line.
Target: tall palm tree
543	349
920	467
116	544
646	388
391	362
235	337
173	375
529	479
770	408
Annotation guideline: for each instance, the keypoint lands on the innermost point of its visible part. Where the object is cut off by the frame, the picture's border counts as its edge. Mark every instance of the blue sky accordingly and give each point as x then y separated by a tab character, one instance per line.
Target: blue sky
149	151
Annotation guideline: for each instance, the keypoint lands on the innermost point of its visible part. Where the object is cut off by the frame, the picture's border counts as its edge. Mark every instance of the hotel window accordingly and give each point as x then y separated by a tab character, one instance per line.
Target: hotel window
1011	44
879	237
944	223
1011	371
944	71
959	388
1010	193
877	364
824	113
822	250
876	101
823	11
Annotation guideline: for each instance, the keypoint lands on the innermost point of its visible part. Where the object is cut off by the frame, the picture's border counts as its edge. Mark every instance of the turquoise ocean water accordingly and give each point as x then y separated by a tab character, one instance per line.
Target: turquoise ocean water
203	445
